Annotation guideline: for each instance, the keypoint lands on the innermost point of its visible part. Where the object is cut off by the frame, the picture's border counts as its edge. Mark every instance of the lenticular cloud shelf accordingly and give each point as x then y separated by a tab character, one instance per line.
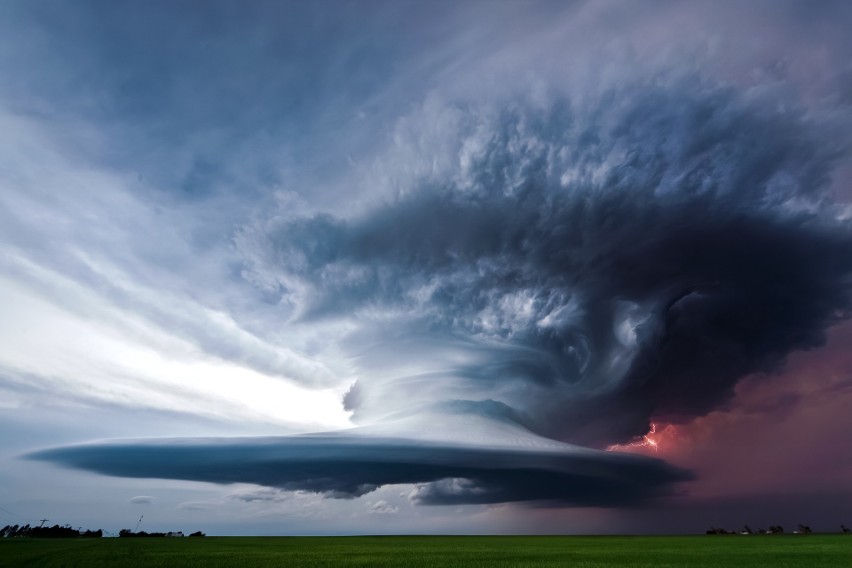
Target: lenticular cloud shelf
501	463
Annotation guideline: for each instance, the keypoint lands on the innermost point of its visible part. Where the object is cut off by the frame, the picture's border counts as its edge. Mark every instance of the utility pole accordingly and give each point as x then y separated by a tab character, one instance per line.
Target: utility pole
42	522
137	524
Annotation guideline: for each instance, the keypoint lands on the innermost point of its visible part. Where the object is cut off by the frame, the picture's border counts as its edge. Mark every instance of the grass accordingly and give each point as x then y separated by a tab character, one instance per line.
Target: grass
780	551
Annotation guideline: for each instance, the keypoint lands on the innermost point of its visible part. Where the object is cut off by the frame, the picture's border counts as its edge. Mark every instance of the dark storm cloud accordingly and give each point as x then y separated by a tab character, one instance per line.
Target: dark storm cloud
599	262
563	269
348	466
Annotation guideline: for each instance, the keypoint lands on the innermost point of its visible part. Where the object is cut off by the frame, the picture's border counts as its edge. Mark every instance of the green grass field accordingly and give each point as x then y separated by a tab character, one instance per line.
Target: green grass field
426	551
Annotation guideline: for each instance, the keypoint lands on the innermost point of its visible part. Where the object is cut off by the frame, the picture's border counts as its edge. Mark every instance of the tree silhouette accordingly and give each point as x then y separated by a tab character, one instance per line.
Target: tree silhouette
55	531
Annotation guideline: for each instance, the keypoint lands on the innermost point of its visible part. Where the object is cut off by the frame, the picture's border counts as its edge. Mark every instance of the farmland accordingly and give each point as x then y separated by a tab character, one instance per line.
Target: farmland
780	551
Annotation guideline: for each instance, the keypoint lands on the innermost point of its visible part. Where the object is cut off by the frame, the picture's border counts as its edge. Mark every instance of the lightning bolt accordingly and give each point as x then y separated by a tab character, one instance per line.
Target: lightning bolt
646	441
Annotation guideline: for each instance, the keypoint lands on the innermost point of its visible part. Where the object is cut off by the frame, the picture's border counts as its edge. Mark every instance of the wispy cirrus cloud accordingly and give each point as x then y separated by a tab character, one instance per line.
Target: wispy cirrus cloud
142	500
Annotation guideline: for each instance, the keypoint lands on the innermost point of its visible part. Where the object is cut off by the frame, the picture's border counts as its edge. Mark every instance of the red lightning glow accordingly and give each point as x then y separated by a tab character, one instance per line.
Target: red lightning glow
650	440
647	440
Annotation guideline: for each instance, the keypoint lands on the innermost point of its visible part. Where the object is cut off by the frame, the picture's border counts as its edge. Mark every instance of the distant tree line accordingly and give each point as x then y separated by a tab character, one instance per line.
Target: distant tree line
14	531
127	533
775	529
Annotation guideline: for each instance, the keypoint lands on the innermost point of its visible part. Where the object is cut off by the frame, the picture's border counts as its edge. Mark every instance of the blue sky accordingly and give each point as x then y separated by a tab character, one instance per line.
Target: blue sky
473	243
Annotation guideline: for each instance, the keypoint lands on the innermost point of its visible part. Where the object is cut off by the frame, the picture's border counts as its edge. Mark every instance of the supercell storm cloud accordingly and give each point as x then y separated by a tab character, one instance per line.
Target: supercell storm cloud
547	272
592	265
